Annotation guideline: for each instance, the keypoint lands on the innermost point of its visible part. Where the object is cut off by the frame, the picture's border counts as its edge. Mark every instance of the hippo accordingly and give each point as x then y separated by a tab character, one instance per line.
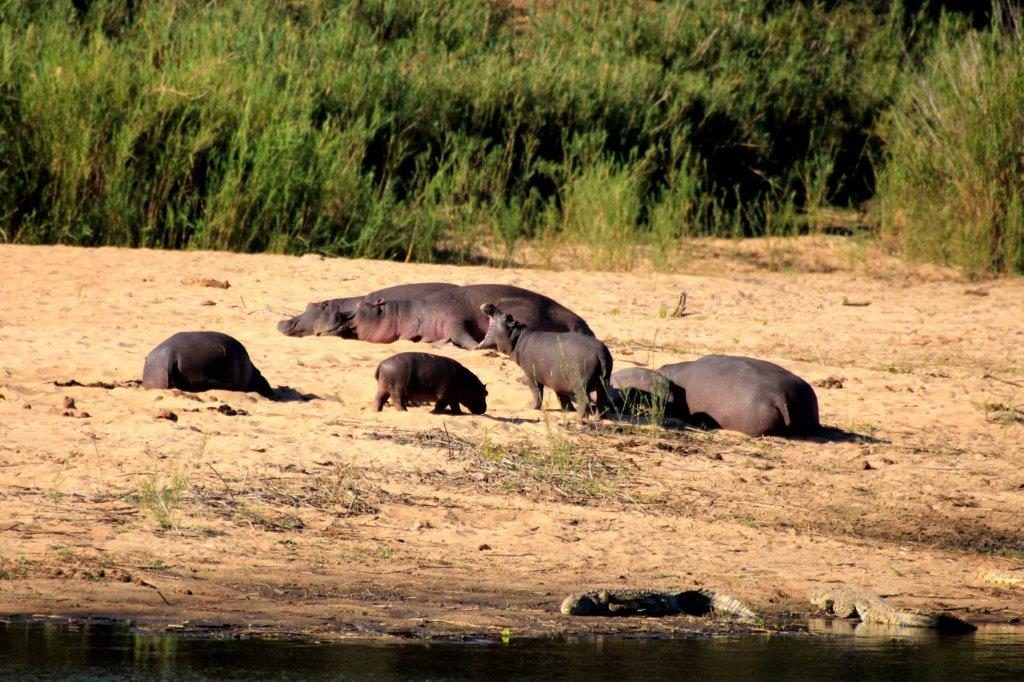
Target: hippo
455	315
638	387
325	318
407	377
200	361
743	394
571	364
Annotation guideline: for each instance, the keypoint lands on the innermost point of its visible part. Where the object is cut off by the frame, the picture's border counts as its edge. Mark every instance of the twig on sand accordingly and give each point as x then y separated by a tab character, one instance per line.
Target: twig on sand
986	375
680	310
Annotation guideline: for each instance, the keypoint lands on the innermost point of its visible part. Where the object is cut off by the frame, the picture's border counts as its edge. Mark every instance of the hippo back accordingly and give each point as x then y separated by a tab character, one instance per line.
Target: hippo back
745	394
535	311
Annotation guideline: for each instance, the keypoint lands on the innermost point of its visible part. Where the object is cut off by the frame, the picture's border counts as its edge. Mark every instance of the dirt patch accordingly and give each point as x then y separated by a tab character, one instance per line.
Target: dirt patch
314	513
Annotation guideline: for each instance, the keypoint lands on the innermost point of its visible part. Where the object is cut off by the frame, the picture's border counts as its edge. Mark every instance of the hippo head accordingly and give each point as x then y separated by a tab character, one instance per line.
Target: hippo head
477	404
500	330
473	394
376	321
324	318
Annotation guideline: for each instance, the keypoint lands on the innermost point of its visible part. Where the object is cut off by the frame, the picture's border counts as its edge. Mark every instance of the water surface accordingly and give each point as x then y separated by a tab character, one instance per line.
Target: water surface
95	651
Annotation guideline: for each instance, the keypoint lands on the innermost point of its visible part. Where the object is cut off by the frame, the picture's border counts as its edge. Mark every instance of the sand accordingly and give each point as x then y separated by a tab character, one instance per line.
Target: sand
315	514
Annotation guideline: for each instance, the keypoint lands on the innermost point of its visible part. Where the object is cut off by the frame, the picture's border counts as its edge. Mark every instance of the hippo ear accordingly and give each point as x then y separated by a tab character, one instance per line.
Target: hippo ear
379	302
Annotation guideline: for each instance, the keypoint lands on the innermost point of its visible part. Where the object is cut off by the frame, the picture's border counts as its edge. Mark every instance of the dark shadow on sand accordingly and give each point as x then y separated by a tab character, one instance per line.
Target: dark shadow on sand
287	394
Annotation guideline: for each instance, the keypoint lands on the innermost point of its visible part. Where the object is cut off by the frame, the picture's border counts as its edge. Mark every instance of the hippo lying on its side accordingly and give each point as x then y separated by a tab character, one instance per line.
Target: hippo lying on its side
745	394
200	361
417	377
325	318
571	364
455	315
641	388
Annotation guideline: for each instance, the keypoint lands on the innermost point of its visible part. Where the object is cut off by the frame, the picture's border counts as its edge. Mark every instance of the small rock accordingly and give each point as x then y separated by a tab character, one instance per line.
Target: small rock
69	403
206	282
867	466
26	406
208	302
484	547
83	415
226	409
830	382
67	413
166	414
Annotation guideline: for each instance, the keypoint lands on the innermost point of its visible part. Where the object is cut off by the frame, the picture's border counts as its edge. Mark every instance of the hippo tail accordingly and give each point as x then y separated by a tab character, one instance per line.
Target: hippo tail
582	327
783	408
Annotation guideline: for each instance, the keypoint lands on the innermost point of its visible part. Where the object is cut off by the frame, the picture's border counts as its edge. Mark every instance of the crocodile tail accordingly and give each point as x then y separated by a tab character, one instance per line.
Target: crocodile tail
732	607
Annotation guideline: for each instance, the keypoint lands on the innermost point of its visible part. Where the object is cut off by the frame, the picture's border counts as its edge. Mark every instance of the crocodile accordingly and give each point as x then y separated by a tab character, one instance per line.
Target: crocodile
1002	578
629	602
844	602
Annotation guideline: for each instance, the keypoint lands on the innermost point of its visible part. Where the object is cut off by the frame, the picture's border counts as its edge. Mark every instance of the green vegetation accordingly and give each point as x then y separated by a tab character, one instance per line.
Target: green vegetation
161	498
421	130
952	186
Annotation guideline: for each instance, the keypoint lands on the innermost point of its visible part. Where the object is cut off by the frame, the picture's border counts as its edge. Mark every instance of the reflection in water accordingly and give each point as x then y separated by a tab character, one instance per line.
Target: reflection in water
111	651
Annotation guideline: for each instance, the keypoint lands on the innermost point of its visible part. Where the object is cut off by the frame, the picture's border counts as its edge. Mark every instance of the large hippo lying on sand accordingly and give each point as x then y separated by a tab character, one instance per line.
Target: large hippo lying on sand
327	317
745	394
572	364
200	361
455	315
418	377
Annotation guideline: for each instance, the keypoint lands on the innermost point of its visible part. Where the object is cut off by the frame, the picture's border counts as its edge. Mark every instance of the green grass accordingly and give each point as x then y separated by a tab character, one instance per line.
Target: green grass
161	499
437	131
953	178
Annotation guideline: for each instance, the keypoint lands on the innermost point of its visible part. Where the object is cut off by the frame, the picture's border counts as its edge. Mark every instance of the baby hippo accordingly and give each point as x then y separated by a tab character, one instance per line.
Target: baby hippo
743	394
200	361
571	364
644	389
415	377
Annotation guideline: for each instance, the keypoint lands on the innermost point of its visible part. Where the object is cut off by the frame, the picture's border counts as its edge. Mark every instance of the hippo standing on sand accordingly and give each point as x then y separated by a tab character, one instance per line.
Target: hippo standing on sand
572	364
325	318
753	396
201	361
455	315
418	377
638	387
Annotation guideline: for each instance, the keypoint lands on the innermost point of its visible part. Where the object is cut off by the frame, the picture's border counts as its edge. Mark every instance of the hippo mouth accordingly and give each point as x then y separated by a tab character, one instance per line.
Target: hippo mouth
333	330
488	340
489	310
287	327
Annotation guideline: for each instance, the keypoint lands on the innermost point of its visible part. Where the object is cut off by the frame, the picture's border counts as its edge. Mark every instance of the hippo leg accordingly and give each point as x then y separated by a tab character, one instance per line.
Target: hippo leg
537	389
463	339
403	403
380	399
602	400
565	400
453	405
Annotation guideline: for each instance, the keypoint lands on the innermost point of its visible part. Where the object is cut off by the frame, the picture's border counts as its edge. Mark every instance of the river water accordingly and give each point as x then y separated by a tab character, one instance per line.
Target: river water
111	651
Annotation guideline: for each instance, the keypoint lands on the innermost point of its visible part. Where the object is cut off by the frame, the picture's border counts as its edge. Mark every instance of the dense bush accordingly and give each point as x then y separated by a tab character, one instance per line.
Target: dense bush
416	130
953	185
